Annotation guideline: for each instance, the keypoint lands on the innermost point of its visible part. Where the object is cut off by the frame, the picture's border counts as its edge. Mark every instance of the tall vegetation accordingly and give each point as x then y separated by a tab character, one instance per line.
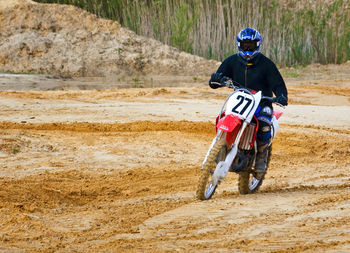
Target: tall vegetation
294	32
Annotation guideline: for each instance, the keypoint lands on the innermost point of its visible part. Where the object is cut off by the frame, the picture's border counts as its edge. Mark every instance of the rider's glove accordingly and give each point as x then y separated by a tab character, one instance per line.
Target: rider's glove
216	77
282	100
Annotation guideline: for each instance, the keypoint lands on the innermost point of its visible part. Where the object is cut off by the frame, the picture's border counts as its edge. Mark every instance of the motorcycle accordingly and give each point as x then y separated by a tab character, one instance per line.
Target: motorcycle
234	148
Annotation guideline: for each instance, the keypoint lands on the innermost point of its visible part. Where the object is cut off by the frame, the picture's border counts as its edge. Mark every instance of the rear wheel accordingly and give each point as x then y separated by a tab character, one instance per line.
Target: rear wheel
247	182
206	188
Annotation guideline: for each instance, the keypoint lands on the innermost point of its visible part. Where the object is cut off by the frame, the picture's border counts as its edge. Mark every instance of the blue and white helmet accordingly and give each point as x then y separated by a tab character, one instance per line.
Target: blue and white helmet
248	42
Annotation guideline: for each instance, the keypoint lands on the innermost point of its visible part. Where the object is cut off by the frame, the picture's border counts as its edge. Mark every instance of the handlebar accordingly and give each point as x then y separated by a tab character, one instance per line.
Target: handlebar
269	99
229	83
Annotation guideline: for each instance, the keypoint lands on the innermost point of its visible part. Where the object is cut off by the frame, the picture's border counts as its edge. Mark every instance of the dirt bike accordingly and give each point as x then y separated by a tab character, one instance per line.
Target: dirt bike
234	148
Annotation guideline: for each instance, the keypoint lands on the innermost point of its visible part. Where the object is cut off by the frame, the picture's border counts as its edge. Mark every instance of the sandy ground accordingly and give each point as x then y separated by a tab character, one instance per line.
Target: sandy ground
86	167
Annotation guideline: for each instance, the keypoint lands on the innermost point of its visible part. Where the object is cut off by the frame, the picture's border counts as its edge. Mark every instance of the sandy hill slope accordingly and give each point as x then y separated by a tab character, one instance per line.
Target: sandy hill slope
67	41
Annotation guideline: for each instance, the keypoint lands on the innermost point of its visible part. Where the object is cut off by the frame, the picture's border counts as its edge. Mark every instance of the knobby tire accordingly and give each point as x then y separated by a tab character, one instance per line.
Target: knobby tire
209	166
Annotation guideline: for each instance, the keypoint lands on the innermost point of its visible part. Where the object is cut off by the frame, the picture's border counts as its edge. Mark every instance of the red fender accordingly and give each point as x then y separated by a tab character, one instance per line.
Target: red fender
230	124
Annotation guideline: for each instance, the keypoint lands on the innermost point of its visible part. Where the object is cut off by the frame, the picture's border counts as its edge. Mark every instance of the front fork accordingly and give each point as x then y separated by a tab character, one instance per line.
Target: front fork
220	134
223	167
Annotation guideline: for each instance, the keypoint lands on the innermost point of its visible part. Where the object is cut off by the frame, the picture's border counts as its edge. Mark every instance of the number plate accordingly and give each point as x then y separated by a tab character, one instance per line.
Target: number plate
240	104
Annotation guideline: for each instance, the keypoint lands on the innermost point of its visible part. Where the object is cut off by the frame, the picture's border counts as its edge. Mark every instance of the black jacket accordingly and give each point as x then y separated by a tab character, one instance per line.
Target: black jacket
259	74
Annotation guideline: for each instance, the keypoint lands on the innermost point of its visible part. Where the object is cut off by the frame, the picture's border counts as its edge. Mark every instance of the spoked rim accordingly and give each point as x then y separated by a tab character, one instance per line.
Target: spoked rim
206	185
211	187
210	190
253	183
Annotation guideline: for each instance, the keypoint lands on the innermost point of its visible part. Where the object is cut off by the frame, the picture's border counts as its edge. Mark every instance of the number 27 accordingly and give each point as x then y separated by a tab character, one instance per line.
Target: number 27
240	102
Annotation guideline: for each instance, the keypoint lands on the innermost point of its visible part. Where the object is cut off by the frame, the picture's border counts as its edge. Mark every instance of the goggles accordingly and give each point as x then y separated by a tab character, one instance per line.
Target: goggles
248	45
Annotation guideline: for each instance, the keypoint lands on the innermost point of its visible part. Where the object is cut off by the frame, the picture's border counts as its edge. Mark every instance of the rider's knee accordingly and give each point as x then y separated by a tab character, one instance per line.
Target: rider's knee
266	111
264	130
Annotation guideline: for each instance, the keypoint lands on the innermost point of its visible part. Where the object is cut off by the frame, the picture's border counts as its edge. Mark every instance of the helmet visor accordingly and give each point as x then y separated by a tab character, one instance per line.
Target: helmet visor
248	45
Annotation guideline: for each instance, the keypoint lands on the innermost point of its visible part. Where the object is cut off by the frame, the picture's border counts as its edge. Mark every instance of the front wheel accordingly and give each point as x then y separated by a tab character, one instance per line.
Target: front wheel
206	188
247	182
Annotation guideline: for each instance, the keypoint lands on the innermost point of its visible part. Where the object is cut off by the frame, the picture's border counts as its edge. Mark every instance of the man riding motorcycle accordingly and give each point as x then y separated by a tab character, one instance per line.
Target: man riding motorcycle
251	69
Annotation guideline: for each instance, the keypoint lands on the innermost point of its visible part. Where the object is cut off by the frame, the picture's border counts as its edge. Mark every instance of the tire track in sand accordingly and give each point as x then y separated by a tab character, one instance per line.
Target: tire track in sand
133	208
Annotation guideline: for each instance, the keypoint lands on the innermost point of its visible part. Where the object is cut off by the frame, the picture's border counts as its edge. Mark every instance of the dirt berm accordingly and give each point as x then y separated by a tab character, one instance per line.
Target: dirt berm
66	41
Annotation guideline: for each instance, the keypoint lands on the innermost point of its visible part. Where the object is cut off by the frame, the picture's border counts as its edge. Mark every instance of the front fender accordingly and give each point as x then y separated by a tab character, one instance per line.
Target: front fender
230	124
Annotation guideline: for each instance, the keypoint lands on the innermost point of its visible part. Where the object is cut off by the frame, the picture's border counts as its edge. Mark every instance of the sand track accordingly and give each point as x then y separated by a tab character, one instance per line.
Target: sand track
90	183
135	126
87	165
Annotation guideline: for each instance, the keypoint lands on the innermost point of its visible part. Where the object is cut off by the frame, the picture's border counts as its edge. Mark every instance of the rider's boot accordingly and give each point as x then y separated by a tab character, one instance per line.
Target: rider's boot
261	162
